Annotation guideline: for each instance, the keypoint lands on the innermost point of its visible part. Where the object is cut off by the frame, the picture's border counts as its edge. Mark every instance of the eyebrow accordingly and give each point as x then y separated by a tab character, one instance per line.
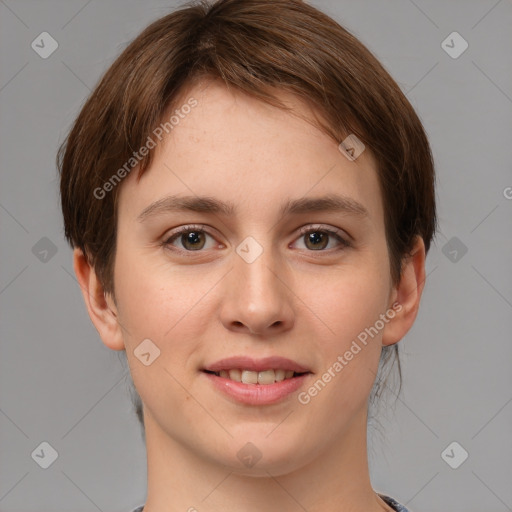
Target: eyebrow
205	204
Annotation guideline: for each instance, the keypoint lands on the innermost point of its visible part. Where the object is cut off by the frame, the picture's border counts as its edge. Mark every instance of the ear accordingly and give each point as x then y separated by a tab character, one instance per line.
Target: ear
406	295
101	307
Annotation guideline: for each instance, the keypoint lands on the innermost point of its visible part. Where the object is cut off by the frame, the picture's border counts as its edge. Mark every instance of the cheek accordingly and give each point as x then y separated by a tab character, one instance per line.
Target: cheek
346	302
140	301
156	304
348	305
147	305
349	355
162	303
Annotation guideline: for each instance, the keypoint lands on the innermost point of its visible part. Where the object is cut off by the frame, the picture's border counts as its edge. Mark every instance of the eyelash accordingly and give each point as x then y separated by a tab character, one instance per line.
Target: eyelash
302	232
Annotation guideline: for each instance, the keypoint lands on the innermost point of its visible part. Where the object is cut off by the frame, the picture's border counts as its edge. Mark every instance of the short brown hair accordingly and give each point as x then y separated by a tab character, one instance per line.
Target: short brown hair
253	46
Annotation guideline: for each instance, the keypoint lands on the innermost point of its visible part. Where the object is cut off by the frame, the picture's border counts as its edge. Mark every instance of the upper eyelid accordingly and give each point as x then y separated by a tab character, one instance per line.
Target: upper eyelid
323	227
184	229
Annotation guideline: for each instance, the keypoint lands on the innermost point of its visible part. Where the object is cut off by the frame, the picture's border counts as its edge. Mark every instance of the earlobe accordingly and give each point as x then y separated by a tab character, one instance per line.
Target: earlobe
100	306
407	295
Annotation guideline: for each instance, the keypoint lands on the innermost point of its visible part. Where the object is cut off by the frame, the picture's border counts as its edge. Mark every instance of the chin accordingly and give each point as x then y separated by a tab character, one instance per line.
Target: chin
256	454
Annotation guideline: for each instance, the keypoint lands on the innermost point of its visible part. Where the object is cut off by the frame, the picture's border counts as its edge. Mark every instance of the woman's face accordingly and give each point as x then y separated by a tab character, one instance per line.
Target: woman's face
264	280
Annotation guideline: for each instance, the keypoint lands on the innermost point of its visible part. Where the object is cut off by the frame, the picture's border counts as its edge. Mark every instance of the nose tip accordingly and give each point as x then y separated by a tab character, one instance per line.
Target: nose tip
257	302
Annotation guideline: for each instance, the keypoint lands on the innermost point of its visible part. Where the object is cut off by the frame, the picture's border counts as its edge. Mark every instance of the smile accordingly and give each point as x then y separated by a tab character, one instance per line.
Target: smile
264	377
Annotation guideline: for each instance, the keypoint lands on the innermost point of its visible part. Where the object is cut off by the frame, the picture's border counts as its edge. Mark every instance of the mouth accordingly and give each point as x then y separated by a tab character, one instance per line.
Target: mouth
257	382
265	377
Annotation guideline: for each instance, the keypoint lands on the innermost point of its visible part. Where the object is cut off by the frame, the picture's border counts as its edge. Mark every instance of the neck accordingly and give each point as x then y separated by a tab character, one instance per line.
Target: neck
335	479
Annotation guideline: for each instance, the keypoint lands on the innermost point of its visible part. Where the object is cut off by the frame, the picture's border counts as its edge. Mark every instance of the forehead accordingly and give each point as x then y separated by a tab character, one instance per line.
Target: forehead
245	121
237	148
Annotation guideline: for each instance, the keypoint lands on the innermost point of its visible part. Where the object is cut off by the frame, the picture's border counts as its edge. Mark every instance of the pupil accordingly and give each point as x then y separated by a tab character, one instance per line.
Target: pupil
192	238
316	237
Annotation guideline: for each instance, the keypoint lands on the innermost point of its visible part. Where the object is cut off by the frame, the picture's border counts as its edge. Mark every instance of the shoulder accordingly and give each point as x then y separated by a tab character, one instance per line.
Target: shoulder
392	503
139	509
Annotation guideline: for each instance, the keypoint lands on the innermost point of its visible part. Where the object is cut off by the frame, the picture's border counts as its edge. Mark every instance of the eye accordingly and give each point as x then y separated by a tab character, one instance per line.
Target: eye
192	238
317	237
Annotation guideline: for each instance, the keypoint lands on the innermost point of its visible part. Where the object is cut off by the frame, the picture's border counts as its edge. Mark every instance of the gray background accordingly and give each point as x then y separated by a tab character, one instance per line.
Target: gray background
59	384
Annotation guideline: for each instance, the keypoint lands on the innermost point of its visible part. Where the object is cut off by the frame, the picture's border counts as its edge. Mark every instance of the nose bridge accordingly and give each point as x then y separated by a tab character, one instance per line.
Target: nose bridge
257	296
255	269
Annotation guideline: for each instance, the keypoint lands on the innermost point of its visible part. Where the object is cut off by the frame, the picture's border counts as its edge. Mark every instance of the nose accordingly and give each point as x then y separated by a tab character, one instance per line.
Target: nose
256	297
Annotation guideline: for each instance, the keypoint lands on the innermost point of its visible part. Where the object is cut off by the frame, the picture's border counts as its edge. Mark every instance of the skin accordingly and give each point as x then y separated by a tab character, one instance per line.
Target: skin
299	300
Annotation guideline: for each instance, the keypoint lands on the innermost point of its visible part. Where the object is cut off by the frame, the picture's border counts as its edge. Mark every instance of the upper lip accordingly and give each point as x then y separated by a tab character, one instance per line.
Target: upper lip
256	365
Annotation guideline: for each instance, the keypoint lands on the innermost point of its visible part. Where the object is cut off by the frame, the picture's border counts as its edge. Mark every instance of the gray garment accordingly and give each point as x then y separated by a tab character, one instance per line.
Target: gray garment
393	503
390	501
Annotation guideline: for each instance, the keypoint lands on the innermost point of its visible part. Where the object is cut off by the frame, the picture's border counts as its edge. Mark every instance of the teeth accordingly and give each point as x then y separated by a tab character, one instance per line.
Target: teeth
280	375
250	377
266	377
235	375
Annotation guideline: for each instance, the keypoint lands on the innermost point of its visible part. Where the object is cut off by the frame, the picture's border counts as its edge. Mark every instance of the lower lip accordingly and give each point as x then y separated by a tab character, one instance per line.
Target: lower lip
257	394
